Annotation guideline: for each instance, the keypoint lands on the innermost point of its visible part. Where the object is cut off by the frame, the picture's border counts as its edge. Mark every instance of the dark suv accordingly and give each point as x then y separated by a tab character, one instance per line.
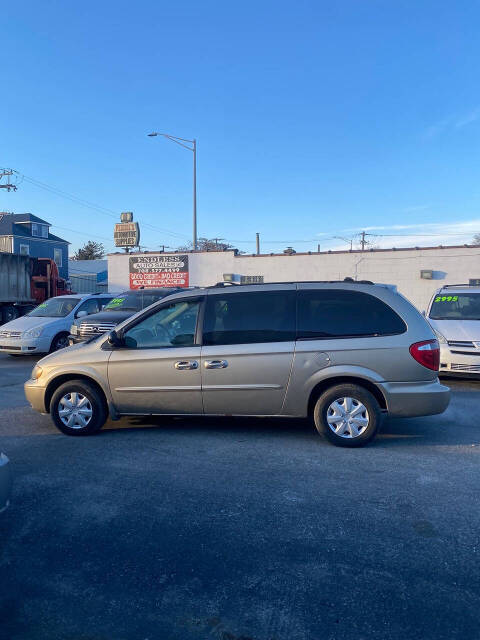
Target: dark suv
118	309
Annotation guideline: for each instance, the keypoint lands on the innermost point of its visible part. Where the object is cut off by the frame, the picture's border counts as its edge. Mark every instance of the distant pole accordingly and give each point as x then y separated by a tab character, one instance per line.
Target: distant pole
363	242
217	240
258	243
318	248
195	244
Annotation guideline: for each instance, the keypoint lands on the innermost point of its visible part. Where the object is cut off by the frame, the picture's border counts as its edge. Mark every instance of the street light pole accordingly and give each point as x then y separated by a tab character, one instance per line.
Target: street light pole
181	142
195	244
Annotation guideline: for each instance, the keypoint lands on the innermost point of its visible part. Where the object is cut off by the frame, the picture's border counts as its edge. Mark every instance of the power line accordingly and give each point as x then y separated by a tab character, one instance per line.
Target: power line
82	233
91	205
376	235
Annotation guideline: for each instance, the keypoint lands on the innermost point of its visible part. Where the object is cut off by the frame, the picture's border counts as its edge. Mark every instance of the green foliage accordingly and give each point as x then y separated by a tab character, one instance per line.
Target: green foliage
90	251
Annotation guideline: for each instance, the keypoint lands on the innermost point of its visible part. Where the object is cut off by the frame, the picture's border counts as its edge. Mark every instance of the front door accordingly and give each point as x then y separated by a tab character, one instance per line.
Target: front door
247	353
158	369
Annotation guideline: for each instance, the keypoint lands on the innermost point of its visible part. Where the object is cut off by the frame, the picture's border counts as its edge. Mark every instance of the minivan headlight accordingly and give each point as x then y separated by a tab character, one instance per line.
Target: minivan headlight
37	372
440	337
36	332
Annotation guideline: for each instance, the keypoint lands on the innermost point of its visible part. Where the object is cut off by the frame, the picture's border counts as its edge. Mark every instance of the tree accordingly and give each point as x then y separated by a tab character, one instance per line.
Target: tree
476	239
90	251
208	244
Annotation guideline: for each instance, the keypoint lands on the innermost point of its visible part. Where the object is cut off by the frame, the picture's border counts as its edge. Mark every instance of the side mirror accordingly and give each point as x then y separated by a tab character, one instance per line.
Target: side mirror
82	314
115	339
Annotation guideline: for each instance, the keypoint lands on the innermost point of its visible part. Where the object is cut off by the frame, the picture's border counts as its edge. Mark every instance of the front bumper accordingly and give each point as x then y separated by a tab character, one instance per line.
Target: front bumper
35	395
456	361
409	399
5	482
25	346
75	340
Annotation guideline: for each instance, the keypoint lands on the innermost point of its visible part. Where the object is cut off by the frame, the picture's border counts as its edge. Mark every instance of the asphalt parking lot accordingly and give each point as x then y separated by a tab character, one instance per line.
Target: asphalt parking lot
234	529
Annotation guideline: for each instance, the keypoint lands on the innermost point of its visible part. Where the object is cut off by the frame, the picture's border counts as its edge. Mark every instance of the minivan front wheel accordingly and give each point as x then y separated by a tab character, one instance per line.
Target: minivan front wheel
348	415
77	409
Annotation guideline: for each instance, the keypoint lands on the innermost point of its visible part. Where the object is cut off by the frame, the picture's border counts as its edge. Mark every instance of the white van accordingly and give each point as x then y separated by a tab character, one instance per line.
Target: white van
454	314
46	327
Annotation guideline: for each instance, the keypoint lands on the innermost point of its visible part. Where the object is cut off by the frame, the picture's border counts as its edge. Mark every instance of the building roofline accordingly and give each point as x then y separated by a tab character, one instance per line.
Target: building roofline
301	253
51	238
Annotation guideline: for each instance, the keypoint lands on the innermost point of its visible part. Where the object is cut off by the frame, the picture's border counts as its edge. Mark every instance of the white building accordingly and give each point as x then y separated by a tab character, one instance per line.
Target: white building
401	267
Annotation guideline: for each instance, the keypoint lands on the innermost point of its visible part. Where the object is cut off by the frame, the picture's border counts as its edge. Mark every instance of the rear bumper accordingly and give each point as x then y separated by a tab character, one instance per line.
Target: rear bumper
5	482
409	399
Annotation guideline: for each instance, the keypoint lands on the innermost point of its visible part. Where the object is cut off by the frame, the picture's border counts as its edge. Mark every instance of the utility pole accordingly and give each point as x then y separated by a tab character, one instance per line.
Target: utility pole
363	242
9	186
258	243
217	240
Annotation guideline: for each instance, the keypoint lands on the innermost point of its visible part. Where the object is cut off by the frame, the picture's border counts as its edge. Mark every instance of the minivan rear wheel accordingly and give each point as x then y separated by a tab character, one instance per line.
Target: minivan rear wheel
347	415
77	409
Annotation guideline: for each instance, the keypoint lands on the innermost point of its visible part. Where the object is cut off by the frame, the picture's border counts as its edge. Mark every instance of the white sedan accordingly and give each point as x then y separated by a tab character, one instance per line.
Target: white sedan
46	328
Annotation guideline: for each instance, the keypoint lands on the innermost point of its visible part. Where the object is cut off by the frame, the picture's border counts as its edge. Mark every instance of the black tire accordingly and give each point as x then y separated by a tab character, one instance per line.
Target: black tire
60	341
360	396
95	401
10	313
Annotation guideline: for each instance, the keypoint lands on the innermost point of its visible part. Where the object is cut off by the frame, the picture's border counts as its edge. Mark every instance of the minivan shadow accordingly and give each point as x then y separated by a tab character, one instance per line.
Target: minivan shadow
428	431
217	424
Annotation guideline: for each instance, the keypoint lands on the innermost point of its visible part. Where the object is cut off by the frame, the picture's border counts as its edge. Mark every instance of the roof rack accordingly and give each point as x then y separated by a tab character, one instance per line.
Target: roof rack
449	286
255	284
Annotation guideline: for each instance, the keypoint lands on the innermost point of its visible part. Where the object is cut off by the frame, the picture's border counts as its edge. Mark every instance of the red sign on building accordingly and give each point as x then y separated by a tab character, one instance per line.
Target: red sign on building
152	272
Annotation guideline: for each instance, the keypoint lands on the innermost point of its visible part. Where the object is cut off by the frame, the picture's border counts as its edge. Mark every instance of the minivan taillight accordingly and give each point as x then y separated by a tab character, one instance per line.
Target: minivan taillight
427	353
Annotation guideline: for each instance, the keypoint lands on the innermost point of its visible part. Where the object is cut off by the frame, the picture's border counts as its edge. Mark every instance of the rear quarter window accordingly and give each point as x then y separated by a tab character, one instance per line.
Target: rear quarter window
331	313
253	317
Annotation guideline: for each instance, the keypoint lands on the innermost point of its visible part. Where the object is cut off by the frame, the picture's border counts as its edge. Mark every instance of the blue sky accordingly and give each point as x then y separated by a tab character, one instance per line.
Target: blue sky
313	119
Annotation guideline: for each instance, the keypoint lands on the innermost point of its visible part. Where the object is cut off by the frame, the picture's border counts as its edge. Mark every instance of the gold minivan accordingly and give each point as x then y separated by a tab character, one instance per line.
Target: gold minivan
344	353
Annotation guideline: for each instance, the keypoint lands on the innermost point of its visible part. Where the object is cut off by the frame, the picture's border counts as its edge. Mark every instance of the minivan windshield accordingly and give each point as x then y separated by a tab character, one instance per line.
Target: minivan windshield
55	308
456	306
133	301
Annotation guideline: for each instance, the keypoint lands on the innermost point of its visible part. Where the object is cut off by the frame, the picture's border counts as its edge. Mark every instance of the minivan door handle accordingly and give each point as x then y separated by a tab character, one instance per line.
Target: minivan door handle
215	364
186	364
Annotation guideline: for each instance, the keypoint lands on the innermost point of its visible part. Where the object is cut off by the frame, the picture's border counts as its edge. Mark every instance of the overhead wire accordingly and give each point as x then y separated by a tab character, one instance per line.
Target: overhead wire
91	205
113	214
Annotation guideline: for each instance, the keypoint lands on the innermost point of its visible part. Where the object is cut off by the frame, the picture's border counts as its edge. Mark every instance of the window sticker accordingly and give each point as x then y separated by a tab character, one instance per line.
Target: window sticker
115	302
446	299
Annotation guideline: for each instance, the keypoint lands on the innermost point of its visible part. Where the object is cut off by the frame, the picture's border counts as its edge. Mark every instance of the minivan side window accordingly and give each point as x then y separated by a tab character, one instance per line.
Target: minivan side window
242	318
171	326
338	313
